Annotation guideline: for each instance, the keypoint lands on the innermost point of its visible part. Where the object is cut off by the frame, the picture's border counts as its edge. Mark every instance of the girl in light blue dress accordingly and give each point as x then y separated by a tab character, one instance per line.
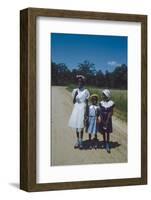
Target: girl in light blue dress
92	120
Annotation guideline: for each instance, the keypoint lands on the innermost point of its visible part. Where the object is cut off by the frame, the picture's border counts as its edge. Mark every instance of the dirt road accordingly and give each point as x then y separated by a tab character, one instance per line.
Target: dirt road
63	137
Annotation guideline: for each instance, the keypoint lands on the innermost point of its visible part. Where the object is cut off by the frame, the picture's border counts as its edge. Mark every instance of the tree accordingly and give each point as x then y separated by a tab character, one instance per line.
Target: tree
60	74
54	72
120	77
108	76
88	70
63	74
73	75
100	79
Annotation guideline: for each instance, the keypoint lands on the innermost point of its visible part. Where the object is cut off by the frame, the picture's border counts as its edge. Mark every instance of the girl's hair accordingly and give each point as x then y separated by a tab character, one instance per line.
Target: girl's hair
94	96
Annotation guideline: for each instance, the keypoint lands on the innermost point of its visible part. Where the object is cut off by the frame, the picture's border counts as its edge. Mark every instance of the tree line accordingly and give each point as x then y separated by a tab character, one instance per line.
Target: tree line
62	75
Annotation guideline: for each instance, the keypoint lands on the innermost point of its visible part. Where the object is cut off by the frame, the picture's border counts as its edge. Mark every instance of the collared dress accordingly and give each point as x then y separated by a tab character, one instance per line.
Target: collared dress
76	120
92	119
105	108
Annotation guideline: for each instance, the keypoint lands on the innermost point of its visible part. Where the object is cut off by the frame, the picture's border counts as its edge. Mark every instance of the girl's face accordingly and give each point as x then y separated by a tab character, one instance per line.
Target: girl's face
80	83
104	97
94	100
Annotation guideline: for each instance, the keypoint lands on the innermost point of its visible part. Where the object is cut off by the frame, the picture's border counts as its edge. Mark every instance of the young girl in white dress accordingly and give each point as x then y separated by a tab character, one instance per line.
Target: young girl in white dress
93	120
80	100
106	112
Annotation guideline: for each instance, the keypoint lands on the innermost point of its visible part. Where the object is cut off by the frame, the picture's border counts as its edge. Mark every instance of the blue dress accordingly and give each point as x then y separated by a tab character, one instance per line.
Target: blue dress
92	122
105	108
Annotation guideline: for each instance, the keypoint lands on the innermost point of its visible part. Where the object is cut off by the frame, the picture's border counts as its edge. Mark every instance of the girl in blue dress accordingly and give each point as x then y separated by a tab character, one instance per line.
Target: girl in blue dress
92	120
106	112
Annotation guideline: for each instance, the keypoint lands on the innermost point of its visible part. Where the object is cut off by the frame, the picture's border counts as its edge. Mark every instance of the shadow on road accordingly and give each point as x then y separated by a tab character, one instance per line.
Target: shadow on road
98	144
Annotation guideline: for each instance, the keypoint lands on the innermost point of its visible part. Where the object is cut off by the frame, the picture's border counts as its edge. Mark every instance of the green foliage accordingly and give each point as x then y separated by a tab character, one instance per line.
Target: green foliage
116	81
61	75
118	96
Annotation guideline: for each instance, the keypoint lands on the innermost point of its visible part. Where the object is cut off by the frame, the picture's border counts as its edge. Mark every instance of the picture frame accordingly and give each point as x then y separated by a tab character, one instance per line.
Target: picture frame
28	98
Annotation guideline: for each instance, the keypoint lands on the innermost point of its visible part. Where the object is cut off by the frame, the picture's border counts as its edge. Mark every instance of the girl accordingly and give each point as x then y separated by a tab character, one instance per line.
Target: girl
106	112
92	118
80	100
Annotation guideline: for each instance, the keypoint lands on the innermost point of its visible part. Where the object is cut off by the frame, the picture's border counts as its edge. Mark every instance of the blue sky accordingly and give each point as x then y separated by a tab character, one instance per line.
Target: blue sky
106	52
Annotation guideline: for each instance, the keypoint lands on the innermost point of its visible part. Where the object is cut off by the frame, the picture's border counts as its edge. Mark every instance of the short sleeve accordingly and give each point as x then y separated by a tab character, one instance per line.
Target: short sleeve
87	94
73	92
113	104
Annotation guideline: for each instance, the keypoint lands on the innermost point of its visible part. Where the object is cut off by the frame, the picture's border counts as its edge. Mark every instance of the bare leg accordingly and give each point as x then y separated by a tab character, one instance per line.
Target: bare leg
90	145
81	138
95	141
108	137
77	135
107	143
95	137
77	143
104	140
81	134
89	136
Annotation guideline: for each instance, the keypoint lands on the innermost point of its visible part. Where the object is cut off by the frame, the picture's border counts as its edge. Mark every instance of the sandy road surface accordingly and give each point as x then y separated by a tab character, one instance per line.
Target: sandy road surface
63	137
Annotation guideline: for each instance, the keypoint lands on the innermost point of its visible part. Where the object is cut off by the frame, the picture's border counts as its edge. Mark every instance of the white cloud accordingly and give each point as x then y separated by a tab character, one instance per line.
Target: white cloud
113	63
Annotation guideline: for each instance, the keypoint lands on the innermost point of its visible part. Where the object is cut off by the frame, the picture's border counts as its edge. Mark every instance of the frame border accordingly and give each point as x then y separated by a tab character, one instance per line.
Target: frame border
28	98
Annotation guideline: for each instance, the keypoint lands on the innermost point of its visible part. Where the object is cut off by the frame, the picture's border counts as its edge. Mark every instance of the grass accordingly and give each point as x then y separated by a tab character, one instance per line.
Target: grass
118	96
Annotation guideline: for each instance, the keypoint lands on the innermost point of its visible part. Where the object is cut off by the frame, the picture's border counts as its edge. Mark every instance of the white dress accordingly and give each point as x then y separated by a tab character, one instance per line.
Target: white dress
77	116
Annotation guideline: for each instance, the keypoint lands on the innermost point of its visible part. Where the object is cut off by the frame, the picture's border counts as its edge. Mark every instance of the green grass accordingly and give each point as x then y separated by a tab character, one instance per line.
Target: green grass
118	96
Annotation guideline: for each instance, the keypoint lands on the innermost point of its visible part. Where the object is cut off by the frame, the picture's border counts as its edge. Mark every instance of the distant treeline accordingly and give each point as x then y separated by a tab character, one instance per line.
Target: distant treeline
62	75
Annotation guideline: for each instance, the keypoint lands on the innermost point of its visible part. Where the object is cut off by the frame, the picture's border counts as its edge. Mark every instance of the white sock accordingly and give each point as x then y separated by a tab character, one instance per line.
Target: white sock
80	140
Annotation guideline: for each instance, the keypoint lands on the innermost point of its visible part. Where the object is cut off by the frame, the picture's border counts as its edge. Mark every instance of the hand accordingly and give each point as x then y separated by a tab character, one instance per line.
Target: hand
85	121
76	93
104	127
99	120
74	99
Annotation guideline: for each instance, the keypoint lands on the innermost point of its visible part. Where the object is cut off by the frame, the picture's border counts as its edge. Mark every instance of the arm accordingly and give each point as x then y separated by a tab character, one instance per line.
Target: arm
98	117
86	114
86	117
74	98
86	102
